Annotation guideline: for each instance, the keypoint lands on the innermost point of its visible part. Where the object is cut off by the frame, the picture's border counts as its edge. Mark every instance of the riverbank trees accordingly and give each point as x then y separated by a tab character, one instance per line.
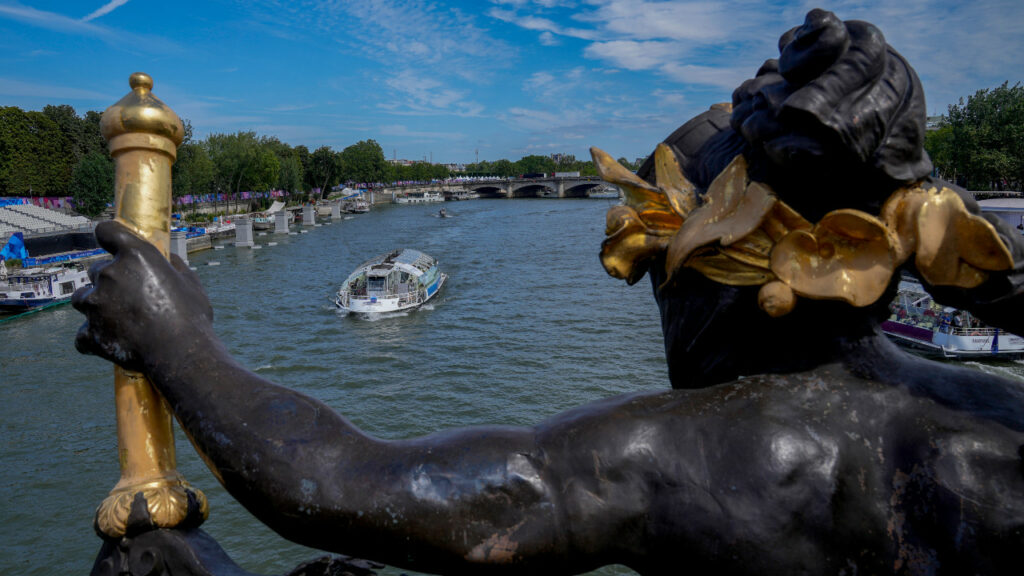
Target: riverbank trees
56	152
979	143
39	151
92	183
534	164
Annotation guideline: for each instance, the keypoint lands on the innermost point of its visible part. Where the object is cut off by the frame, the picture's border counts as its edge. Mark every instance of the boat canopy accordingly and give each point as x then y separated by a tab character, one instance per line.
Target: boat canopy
413	262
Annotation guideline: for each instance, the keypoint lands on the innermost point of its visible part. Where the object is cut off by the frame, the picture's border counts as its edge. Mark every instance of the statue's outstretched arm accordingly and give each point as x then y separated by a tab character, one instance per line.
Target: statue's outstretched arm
451	501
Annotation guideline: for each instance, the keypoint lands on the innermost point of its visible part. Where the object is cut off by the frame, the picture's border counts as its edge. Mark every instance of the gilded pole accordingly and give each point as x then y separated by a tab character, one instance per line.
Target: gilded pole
143	135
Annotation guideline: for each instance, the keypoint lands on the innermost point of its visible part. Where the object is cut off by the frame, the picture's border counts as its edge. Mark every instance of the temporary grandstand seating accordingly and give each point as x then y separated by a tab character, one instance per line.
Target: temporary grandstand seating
32	219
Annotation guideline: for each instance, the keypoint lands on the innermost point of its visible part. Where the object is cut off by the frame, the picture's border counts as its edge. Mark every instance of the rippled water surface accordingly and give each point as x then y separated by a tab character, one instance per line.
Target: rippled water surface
528	325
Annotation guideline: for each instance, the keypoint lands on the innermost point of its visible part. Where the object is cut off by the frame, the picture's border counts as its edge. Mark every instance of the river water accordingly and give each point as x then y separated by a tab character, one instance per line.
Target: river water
528	325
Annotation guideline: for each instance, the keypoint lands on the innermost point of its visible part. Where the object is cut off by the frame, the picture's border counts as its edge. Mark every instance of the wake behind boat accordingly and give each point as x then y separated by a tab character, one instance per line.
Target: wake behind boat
398	280
919	323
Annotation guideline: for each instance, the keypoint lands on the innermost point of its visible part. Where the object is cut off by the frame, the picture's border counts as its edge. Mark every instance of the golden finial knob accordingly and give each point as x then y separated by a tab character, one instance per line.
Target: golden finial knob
140	80
140	112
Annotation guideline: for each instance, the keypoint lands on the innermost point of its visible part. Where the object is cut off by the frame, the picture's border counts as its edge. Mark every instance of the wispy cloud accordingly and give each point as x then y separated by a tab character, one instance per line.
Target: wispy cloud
18	88
293	107
633	54
423	94
60	23
956	47
645	20
49	20
436	49
548	39
403	131
105	9
541	24
669	38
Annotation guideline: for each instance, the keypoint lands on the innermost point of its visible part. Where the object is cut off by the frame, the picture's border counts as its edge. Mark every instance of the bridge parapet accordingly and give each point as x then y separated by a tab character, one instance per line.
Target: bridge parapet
562	187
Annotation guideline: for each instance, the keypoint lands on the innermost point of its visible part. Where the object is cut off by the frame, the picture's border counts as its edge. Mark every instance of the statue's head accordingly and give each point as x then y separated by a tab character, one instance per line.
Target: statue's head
791	212
839	110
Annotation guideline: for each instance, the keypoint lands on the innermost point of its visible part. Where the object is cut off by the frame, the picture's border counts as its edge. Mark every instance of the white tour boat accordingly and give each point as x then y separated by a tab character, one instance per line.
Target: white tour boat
920	323
463	196
27	288
419	197
398	280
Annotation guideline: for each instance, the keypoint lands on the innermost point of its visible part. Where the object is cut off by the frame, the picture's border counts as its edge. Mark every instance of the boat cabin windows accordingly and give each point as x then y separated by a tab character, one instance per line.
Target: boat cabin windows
67	287
918	309
377	283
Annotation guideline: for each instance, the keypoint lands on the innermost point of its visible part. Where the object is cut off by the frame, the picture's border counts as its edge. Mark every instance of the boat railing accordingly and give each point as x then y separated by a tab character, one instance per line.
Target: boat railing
977	331
934	321
405	298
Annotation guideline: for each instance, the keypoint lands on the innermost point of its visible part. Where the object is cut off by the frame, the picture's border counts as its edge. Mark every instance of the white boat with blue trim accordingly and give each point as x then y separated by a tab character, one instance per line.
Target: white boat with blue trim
27	288
399	280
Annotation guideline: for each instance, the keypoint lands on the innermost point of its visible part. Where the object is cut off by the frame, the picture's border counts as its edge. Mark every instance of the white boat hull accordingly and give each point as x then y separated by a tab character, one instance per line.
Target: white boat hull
417	199
383	304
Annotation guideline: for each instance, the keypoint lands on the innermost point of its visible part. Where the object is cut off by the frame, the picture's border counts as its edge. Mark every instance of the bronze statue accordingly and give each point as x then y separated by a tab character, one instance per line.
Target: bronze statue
817	447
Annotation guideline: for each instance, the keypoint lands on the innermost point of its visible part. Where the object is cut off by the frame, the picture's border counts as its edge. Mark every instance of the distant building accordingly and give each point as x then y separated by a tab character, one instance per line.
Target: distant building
933	122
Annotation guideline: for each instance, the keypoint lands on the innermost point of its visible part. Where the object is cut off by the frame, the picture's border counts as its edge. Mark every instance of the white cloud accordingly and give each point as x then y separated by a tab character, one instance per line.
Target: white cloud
426	33
105	9
416	93
634	55
548	39
644	20
429	53
535	119
539	80
541	24
677	40
669	98
402	131
725	78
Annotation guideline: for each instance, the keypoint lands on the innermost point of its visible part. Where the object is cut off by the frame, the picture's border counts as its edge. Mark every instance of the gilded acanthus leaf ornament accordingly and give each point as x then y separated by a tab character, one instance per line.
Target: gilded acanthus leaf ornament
847	256
739	233
732	209
629	244
642	227
651	203
955	247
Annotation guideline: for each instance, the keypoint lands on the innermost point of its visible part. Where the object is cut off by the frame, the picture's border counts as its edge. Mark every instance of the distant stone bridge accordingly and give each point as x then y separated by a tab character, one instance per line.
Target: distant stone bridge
546	187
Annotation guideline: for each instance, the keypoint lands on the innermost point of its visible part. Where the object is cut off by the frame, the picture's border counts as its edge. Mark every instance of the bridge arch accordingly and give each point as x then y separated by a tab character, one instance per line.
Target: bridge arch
532	190
489	191
581	190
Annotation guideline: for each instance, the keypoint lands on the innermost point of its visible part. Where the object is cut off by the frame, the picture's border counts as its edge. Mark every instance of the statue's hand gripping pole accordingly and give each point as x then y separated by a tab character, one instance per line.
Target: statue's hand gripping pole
143	135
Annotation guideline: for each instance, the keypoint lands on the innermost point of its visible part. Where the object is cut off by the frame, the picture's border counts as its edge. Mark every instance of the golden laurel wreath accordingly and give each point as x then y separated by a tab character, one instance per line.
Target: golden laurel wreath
740	233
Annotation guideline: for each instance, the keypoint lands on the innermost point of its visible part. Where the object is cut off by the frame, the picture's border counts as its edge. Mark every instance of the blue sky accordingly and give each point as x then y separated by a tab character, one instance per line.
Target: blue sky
453	81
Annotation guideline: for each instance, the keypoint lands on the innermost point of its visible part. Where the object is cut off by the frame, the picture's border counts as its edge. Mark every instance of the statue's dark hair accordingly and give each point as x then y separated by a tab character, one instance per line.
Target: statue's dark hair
838	100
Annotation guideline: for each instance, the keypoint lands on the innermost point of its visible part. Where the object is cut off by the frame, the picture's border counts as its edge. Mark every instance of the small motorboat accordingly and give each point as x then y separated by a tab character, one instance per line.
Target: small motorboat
919	323
399	280
442	213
